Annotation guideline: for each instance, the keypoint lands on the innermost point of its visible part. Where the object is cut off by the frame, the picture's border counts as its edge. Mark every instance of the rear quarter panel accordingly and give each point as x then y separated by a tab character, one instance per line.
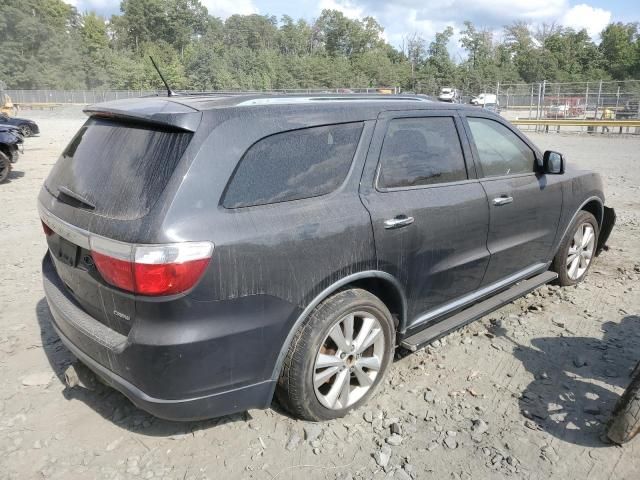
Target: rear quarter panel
290	250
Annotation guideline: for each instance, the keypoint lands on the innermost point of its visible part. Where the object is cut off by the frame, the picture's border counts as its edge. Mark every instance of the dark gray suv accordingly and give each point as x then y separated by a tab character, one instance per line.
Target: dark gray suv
208	252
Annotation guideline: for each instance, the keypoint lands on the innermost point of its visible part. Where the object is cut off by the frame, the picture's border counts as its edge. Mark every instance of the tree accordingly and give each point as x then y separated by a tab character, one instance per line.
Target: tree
521	46
477	43
480	65
416	54
95	46
47	44
439	61
176	22
342	36
295	38
141	21
375	68
620	47
575	56
251	31
40	46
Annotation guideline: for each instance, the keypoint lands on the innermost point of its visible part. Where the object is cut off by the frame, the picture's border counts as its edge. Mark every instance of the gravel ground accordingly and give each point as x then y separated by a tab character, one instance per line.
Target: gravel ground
523	393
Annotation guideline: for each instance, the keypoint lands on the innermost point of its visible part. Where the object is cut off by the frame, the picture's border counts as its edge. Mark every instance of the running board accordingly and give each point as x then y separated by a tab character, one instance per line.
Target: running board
437	330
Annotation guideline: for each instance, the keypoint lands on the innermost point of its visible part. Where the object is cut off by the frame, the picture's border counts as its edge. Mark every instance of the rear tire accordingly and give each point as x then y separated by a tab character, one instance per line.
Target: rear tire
625	420
355	363
577	250
26	130
5	167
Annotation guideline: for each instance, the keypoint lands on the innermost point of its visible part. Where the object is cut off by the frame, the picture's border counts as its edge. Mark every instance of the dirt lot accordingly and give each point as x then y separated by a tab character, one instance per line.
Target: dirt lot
523	393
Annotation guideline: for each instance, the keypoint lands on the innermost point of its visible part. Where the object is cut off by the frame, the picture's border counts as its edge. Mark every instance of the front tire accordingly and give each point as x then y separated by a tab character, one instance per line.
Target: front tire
338	357
5	167
625	421
26	131
577	250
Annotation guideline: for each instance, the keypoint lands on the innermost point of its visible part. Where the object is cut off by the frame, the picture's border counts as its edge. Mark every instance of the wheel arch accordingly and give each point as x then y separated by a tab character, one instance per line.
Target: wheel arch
4	148
381	284
593	205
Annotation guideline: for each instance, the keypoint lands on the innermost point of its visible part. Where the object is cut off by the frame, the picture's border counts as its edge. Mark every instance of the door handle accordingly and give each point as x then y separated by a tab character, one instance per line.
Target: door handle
398	221
502	200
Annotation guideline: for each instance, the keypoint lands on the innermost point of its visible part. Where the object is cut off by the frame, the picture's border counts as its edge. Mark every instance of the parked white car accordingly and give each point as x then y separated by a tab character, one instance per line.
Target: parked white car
448	94
485	98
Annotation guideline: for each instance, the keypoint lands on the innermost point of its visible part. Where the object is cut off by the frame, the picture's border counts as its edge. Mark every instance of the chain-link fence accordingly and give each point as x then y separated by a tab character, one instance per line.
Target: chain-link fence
597	100
576	100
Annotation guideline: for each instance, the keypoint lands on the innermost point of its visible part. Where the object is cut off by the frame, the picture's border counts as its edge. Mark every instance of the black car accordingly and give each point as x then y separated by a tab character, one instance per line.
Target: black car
27	127
206	252
10	144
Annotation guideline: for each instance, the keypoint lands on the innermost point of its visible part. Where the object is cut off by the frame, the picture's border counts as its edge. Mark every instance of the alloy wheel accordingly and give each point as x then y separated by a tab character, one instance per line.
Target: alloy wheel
581	251
349	360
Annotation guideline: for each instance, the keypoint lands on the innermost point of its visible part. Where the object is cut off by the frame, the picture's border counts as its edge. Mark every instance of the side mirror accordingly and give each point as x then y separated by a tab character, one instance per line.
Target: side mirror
553	163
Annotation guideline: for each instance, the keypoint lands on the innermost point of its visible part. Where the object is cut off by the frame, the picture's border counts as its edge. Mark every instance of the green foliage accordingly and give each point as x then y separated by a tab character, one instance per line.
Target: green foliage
620	48
48	44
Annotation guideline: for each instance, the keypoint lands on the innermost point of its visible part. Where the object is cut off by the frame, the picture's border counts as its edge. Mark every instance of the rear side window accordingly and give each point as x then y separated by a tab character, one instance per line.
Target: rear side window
500	151
293	165
119	168
421	151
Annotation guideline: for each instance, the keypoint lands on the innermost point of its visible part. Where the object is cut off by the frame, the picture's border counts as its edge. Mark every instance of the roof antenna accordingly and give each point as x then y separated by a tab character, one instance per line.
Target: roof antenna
170	93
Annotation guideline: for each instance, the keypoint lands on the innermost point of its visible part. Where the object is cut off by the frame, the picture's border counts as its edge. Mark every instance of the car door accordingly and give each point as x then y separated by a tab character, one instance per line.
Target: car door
428	210
524	204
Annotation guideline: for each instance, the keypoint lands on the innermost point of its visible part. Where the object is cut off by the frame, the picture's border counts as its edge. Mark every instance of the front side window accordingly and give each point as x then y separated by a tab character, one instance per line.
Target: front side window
500	151
421	151
293	165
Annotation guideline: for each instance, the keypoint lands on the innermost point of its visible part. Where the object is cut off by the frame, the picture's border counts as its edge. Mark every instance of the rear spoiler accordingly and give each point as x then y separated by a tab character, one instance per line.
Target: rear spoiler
152	111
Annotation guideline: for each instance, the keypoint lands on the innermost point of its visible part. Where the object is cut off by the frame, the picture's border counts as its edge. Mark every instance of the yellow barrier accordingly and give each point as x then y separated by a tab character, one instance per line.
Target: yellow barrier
578	123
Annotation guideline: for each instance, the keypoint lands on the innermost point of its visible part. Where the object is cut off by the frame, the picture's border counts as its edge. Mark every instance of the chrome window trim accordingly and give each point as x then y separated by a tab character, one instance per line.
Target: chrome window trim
67	231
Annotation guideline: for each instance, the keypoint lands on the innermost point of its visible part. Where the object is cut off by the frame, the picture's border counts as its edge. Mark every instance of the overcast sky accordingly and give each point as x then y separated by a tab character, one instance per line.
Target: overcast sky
425	17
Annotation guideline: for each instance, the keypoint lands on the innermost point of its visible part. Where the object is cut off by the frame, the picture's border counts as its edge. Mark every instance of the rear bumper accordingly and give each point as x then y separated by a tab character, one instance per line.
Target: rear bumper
224	403
211	365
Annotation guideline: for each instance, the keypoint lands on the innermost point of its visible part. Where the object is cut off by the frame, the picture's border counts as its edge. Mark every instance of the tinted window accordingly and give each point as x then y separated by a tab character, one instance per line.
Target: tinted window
294	165
119	168
500	150
421	151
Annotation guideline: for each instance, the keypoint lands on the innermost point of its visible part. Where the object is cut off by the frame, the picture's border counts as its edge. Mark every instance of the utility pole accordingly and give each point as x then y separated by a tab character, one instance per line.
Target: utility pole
586	101
598	100
539	97
531	102
544	88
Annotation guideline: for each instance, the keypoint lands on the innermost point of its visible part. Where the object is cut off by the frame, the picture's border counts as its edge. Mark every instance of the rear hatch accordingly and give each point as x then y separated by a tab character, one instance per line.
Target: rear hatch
111	174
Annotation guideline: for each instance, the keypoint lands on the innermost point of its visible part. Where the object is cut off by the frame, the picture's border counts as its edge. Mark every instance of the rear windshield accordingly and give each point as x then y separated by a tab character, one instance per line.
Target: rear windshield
116	170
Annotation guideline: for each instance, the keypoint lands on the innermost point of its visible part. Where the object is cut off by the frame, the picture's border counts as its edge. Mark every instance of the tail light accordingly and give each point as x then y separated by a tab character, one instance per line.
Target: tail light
165	269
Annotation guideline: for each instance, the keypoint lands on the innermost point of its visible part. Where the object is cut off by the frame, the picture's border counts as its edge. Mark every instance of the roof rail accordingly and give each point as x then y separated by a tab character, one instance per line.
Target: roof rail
318	96
290	99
